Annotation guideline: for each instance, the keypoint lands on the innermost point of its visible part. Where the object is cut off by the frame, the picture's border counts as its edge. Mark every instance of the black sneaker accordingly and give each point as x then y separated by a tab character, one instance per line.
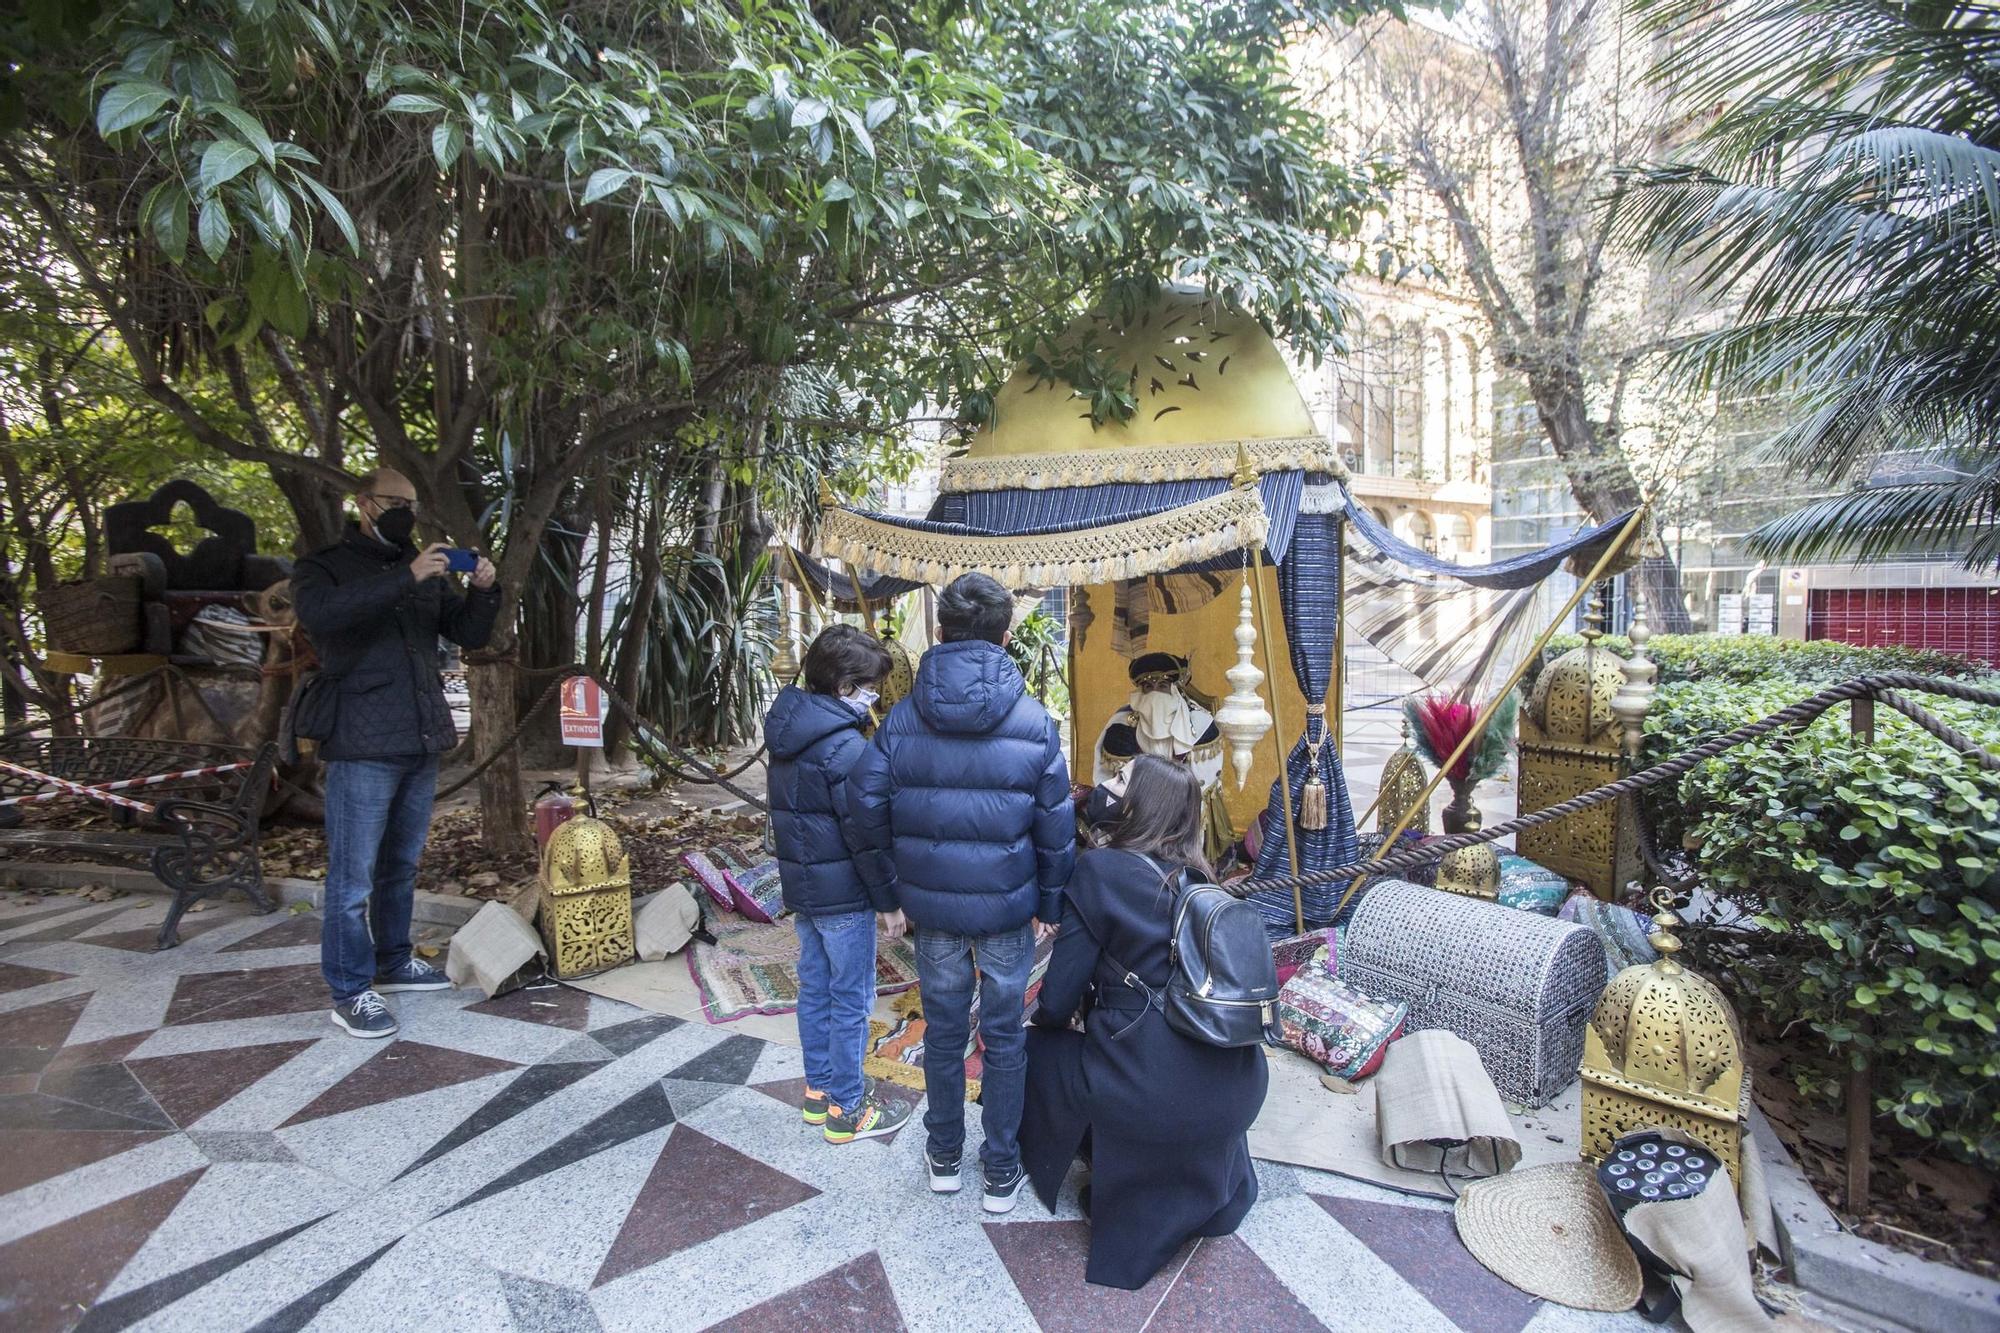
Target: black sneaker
414	974
943	1172
365	1016
1000	1194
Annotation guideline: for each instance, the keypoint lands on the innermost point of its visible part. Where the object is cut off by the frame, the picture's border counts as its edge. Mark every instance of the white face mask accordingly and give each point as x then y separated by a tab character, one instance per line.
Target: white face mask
862	699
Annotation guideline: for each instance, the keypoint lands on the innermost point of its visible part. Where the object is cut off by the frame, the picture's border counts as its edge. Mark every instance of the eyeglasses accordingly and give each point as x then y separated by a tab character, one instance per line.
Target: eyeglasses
394	502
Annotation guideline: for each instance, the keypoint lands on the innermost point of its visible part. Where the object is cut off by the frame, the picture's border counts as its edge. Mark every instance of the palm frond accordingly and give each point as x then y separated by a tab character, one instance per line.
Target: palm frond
1882	521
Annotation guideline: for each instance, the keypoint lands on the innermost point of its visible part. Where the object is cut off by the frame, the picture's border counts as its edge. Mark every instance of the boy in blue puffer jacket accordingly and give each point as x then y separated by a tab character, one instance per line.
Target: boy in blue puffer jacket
962	811
814	735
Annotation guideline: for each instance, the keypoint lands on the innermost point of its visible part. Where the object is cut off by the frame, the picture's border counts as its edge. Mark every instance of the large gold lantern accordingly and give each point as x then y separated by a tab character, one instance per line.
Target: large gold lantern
586	909
1571	741
1404	786
1661	1051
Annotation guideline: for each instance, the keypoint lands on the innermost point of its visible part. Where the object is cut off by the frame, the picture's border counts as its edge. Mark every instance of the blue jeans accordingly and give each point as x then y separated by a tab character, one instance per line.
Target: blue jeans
836	991
378	815
946	968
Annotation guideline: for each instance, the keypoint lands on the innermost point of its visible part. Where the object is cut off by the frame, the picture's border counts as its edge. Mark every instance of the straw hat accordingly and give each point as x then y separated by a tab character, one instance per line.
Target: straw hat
1548	1231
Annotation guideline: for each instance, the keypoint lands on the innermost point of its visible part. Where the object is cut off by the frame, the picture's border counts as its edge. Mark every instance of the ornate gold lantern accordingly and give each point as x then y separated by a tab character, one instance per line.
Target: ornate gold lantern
1403	783
586	909
1570	743
1661	1051
1473	871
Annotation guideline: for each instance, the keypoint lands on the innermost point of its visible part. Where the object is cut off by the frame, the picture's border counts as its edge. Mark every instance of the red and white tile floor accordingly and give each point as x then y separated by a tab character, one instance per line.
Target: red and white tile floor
186	1142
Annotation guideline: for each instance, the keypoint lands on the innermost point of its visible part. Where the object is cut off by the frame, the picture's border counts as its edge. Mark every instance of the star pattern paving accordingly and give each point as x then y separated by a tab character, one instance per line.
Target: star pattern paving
186	1142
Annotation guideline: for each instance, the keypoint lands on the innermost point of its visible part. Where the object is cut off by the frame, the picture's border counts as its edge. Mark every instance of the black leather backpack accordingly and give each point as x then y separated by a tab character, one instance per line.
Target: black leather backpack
1223	986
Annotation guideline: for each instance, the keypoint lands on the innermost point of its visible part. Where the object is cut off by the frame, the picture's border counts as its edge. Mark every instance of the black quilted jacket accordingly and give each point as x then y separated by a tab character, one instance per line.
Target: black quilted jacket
376	632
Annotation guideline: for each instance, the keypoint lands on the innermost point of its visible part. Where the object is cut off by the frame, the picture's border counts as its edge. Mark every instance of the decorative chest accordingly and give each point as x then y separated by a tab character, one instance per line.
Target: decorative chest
586	908
1519	987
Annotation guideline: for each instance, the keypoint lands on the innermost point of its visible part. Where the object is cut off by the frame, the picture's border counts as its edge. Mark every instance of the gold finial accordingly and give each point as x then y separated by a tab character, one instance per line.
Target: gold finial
827	499
1594	618
1664	940
1246	474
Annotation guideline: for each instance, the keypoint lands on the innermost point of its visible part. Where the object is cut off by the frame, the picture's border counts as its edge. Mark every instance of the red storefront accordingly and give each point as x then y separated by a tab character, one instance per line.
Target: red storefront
1962	620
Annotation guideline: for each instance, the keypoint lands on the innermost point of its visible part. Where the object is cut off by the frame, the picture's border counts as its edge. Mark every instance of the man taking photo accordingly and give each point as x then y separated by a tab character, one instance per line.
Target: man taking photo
374	607
963	810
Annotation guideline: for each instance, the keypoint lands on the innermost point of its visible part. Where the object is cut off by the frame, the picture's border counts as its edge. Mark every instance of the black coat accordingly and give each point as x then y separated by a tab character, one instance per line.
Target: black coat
1166	1116
963	800
375	630
815	740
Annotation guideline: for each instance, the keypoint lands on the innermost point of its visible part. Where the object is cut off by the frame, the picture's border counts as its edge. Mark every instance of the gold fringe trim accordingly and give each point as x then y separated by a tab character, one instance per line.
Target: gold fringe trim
1203	530
1175	462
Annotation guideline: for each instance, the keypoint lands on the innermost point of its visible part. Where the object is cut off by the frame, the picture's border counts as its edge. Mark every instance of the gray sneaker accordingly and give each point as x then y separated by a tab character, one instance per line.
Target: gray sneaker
365	1016
414	974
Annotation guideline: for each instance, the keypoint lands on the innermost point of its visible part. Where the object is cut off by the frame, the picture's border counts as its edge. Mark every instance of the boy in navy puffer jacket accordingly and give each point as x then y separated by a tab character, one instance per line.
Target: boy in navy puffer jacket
814	735
962	809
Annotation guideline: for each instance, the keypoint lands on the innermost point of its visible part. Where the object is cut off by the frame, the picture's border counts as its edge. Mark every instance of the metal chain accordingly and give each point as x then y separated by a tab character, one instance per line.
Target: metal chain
1796	715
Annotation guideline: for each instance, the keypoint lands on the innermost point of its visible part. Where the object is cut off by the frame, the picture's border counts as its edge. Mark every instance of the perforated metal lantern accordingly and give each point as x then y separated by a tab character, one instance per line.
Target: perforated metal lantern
1473	871
1571	742
1661	1051
1403	784
586	909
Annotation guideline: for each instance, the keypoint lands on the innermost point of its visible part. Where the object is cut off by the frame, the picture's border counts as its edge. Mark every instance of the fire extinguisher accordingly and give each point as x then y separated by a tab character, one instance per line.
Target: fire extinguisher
553	808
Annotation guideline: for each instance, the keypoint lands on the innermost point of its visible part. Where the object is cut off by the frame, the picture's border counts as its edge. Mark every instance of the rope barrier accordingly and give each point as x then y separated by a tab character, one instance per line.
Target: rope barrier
1796	715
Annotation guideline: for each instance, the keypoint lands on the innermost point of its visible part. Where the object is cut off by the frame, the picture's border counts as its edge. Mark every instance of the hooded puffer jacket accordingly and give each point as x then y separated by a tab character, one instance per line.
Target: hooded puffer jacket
962	803
815	740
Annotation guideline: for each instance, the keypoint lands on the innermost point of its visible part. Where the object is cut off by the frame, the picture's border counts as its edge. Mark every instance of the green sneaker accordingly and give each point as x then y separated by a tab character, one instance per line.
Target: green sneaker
870	1120
812	1107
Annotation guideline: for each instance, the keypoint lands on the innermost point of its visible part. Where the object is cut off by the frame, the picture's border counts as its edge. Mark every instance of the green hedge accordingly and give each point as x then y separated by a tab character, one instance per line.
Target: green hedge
1871	873
1751	658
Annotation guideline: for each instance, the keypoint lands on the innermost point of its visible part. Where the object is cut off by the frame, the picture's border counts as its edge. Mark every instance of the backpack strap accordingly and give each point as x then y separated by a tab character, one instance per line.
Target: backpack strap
1175	882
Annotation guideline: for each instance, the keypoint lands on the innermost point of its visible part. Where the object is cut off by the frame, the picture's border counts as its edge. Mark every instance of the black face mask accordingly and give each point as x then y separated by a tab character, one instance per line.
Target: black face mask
1103	809
395	526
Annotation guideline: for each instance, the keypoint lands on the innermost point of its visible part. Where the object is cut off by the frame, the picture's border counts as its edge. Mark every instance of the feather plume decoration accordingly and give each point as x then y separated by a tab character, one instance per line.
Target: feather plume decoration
1439	722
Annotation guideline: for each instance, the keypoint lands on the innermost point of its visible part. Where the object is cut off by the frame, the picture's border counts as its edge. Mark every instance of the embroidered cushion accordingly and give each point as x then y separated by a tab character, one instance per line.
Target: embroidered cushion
1329	1021
1295	952
1529	887
712	868
757	891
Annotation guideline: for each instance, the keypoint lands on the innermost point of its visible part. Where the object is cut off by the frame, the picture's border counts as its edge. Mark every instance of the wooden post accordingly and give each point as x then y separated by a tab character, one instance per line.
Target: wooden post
1256	573
1860	1091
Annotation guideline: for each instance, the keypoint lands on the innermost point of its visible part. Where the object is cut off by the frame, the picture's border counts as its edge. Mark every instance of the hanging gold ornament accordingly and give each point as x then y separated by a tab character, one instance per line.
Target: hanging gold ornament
1243	720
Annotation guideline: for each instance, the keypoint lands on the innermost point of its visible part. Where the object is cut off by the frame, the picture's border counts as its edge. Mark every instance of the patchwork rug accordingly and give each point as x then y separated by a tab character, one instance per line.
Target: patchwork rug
896	1048
754	969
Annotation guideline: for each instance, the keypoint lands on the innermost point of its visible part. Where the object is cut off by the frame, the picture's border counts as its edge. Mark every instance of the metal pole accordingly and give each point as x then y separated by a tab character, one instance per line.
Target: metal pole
1338	711
1611	553
1255	573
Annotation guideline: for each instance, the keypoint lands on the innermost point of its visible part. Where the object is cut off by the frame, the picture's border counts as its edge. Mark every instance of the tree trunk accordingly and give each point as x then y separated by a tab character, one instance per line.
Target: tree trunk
644	592
503	804
1603	484
315	505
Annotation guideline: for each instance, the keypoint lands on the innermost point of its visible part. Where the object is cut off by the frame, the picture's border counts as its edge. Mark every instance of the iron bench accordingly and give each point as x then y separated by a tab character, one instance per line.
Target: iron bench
188	810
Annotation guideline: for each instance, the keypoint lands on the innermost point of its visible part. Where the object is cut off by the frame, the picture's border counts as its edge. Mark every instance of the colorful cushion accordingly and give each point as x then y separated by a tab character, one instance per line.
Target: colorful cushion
712	869
757	892
1294	953
1625	934
1530	887
1329	1021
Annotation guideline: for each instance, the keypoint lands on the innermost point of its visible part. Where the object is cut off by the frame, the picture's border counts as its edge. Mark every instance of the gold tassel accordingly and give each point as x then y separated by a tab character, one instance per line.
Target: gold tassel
1312	804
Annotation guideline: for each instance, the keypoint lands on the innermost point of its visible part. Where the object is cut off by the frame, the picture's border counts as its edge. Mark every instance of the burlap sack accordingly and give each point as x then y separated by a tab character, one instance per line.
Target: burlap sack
1703	1238
666	922
491	951
1433	1087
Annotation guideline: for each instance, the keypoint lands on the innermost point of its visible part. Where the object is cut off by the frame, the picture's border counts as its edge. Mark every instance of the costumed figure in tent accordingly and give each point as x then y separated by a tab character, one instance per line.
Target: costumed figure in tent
1166	716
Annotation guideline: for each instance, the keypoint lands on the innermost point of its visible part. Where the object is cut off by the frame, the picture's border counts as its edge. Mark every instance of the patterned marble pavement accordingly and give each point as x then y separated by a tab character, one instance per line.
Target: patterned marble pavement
186	1142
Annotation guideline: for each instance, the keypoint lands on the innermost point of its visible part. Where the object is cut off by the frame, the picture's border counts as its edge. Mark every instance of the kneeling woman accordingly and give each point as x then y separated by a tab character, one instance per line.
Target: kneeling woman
1160	1117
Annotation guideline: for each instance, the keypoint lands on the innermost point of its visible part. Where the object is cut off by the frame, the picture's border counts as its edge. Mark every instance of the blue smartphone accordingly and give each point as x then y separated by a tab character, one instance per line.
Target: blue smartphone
461	561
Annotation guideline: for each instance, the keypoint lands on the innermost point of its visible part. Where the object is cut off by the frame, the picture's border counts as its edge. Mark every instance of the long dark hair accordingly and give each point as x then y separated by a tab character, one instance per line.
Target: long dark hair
1162	813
